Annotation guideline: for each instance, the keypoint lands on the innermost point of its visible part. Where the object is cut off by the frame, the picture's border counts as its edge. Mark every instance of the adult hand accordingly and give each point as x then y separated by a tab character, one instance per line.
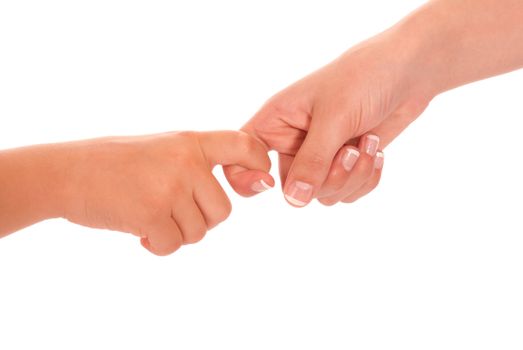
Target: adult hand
363	99
378	88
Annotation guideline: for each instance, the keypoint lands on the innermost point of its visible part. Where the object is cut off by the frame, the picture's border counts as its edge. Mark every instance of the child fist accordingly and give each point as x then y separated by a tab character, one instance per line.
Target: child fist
159	187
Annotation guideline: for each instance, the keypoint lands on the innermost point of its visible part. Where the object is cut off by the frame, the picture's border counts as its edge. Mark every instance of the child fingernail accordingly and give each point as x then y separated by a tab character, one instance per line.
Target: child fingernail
260	186
299	193
378	161
349	159
372	143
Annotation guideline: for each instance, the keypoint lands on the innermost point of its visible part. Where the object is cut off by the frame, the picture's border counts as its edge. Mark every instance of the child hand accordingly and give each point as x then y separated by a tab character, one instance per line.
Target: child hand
159	187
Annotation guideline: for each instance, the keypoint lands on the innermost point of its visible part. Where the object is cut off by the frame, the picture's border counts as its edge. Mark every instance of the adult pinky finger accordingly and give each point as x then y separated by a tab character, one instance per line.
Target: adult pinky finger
372	183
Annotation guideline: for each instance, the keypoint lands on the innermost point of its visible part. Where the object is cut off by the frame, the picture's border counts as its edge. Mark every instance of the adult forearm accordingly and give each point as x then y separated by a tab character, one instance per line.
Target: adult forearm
30	186
455	42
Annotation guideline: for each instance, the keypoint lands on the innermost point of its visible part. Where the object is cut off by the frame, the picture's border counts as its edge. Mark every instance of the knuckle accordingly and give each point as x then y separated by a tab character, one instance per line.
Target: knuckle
173	245
156	198
183	149
315	162
337	182
185	157
152	214
196	234
164	241
221	214
225	211
247	143
338	187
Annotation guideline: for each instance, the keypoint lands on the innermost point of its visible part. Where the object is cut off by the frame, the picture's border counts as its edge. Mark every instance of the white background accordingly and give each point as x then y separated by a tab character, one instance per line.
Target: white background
431	260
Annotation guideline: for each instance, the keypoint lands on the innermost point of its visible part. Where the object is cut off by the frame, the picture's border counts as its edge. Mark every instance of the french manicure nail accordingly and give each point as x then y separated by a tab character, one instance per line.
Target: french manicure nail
260	186
371	145
349	159
378	161
299	193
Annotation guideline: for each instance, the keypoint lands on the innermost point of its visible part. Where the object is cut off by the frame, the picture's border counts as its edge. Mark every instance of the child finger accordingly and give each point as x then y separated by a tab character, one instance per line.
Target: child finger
163	237
190	220
212	201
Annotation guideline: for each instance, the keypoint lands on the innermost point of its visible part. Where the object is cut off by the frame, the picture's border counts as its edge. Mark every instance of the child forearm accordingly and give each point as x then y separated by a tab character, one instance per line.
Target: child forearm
31	182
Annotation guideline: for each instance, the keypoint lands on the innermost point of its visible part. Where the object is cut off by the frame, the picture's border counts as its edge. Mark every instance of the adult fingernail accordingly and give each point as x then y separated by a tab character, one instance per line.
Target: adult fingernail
372	143
378	161
260	186
299	193
349	159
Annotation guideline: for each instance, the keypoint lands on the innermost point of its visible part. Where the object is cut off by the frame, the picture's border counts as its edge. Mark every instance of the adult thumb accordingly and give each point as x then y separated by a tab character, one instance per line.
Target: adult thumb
312	162
238	150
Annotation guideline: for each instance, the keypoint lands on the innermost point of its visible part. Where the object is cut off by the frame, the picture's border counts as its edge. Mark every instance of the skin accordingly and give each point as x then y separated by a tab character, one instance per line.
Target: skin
161	189
378	88
157	187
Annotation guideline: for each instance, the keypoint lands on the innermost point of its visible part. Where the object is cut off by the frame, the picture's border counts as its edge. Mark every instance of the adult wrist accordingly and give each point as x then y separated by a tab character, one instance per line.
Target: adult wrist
425	45
453	43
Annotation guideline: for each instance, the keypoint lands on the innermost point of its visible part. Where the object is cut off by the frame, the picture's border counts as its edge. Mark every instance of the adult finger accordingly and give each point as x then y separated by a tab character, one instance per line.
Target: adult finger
371	184
312	162
361	172
247	183
341	167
